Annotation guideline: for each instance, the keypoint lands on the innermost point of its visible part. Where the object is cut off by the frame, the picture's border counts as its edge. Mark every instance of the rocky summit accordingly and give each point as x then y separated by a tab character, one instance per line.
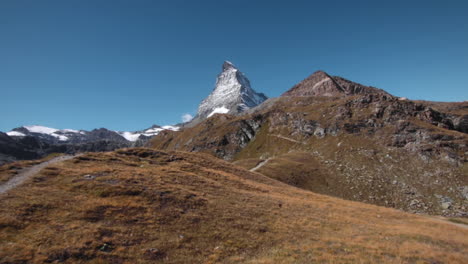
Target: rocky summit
322	84
232	94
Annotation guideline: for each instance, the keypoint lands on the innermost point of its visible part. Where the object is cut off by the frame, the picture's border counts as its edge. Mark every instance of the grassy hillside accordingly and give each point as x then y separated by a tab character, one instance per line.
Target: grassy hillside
148	206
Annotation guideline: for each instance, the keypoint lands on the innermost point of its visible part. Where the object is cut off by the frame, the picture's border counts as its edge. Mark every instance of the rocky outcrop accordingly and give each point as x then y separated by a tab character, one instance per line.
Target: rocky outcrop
105	134
460	123
223	135
11	149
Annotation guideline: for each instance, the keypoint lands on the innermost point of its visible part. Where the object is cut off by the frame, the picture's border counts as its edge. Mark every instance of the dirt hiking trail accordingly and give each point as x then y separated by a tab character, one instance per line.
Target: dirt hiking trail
29	172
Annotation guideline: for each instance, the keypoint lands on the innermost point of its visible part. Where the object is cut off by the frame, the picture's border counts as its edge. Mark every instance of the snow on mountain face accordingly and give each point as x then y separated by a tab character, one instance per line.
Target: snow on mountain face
15	134
134	136
41	129
173	128
60	134
129	136
232	94
219	110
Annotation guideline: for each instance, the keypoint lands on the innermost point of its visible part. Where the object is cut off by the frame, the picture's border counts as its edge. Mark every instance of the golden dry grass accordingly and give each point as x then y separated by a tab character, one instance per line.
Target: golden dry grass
147	206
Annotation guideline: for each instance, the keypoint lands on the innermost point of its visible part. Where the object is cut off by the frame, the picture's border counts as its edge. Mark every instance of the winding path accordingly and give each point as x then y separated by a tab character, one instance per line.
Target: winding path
446	221
289	139
29	172
259	165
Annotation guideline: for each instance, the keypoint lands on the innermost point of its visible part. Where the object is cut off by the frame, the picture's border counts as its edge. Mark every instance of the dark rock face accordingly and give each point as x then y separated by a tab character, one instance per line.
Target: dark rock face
322	84
461	123
105	134
237	139
11	150
224	140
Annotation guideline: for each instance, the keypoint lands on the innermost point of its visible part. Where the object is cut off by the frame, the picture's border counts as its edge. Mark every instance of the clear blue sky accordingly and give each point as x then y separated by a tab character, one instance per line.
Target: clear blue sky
126	65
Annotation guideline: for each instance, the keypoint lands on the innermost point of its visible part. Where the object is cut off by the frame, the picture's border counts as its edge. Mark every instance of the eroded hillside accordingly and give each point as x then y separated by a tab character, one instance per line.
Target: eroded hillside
373	148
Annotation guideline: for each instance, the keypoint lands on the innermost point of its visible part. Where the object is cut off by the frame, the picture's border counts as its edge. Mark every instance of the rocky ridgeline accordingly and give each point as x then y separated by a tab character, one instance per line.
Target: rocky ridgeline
383	117
321	83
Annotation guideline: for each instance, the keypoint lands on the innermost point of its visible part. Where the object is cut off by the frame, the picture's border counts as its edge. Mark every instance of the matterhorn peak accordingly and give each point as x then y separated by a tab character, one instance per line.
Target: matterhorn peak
232	94
227	65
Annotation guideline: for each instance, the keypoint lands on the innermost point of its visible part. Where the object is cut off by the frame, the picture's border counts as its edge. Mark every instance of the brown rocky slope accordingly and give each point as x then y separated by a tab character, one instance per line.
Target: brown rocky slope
370	146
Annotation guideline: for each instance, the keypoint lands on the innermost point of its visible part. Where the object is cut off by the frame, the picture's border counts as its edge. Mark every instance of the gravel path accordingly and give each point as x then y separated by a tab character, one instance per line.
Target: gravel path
29	172
259	165
446	221
289	139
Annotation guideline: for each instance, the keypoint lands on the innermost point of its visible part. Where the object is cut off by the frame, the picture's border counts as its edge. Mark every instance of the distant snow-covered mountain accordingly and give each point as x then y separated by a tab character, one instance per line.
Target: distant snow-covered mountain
47	133
62	136
30	142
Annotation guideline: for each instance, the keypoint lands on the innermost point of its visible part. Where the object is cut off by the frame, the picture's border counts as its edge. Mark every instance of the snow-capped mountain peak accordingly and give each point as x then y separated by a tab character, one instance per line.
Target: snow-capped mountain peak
228	65
232	94
58	134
